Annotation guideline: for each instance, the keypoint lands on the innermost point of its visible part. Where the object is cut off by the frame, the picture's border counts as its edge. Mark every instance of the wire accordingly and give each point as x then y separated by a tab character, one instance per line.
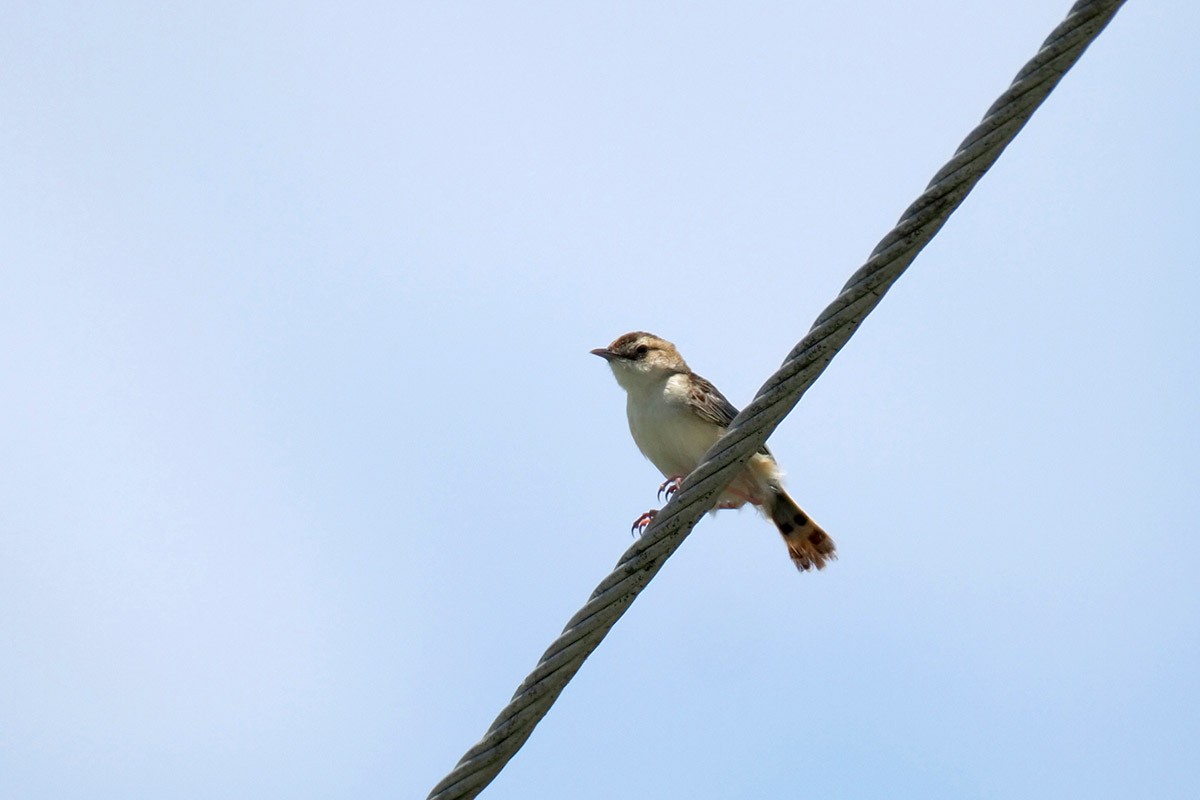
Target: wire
778	396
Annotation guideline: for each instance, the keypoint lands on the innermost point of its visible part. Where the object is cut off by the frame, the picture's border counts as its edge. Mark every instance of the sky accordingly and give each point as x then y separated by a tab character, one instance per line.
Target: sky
304	461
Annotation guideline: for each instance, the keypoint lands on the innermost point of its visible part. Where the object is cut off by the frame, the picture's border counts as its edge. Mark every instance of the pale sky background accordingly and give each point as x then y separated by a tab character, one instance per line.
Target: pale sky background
305	461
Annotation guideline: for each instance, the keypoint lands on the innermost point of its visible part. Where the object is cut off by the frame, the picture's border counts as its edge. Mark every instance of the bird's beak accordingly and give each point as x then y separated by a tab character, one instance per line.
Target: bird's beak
605	353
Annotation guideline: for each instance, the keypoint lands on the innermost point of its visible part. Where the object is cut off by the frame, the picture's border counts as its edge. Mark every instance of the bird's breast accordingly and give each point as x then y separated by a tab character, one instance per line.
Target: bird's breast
667	430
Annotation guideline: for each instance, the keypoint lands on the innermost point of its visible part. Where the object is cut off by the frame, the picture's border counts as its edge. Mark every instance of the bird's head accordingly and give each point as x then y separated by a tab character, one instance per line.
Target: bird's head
639	359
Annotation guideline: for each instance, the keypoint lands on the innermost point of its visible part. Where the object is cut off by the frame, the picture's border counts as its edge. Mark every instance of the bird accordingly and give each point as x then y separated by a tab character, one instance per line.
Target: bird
675	416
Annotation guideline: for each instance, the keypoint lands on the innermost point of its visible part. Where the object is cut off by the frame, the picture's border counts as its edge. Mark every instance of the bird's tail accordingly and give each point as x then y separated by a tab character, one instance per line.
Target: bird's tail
807	543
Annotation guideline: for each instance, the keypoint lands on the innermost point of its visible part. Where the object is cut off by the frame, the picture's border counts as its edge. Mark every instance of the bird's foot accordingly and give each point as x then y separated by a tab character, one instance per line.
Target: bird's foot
641	522
669	487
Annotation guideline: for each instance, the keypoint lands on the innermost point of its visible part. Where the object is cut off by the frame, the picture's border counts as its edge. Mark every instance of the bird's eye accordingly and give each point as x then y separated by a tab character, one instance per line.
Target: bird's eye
641	350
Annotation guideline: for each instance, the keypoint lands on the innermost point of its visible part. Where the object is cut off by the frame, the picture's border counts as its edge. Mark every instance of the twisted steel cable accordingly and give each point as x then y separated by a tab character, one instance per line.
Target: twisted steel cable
833	328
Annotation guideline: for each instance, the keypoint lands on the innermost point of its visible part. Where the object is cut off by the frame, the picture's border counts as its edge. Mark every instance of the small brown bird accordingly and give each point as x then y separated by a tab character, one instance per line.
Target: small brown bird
675	416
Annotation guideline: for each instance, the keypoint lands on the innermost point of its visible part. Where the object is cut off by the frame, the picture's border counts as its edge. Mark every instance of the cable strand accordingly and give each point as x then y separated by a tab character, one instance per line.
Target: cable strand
779	395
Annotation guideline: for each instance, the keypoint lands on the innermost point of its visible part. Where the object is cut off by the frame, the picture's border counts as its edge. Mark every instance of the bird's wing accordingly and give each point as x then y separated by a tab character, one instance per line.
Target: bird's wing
709	404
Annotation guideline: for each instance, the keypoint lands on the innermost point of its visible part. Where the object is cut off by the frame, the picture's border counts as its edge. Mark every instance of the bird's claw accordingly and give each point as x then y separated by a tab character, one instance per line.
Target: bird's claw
669	487
641	522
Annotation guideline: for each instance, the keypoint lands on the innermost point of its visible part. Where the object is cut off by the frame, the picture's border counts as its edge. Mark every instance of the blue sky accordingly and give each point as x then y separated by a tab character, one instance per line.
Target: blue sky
305	461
